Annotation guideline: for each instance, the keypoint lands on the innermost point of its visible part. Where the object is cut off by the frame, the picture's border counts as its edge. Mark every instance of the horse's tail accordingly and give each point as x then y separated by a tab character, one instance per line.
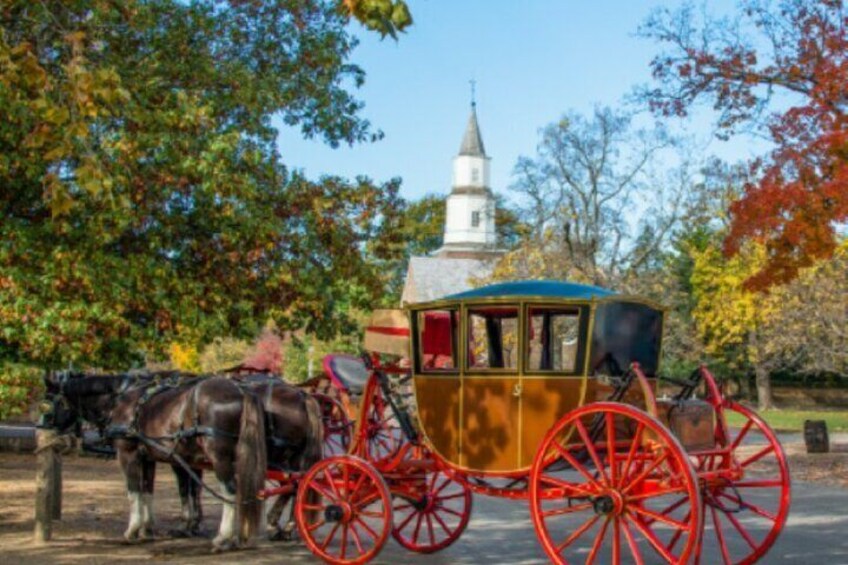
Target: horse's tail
313	448
251	464
314	445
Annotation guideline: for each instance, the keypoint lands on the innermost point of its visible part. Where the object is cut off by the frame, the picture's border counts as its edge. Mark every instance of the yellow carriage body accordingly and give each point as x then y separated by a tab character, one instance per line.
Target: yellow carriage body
496	367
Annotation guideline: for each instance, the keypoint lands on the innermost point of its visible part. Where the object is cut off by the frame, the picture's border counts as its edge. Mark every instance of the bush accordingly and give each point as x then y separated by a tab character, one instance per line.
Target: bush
20	386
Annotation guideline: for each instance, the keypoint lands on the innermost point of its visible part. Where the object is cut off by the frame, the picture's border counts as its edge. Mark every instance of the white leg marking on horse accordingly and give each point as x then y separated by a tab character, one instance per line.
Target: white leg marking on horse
135	515
227	529
147	519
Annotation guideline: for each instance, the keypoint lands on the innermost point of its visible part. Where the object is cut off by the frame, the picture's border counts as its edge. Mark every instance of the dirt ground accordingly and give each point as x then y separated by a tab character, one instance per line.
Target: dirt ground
95	513
94	516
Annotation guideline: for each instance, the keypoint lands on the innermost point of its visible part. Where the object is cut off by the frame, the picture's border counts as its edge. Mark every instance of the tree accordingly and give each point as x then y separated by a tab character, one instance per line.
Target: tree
144	201
809	330
595	207
730	317
779	69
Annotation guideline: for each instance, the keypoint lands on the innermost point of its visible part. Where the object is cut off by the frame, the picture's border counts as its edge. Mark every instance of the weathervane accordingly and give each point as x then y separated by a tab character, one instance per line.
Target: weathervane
473	84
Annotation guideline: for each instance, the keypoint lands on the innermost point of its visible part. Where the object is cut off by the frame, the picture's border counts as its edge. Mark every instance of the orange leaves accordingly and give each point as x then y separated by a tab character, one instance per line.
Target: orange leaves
801	50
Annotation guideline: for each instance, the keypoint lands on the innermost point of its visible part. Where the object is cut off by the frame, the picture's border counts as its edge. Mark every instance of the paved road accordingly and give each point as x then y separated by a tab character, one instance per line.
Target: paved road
501	532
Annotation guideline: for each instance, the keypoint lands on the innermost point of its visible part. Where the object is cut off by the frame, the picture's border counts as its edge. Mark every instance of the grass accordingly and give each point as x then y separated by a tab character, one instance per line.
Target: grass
793	420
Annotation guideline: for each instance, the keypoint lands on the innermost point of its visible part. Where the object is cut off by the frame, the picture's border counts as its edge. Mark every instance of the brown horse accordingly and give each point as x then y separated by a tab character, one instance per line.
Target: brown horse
202	423
295	434
293	430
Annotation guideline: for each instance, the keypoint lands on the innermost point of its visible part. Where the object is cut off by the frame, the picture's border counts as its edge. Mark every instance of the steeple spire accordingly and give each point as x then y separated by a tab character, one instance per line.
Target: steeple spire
472	141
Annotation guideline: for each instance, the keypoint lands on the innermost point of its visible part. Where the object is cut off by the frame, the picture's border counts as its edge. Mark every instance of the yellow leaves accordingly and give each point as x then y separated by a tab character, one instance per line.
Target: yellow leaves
184	357
56	195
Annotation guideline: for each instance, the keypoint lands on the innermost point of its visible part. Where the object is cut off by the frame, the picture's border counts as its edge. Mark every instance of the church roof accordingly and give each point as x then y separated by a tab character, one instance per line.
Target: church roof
431	278
472	142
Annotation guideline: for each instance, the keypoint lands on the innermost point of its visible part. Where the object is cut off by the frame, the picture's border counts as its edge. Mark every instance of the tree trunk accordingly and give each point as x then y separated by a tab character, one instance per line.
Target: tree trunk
765	401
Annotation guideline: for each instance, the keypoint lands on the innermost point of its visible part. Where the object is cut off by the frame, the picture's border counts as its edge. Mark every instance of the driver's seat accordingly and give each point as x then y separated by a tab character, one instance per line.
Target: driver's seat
347	372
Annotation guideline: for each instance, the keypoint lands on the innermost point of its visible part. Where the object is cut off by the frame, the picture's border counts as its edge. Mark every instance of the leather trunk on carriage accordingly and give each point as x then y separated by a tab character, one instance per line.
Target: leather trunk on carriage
691	421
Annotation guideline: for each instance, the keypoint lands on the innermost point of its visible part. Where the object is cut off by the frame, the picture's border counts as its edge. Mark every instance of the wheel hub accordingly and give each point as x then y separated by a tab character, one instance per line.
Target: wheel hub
336	513
608	503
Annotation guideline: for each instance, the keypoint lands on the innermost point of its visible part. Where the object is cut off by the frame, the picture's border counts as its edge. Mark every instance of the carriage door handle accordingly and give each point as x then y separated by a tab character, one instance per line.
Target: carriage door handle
516	390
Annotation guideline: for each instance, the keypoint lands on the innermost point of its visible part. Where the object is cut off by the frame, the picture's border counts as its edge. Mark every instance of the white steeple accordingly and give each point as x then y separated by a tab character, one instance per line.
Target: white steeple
470	219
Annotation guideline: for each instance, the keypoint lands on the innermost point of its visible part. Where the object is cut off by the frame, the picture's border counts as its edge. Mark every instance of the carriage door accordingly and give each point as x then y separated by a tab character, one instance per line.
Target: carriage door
491	388
552	380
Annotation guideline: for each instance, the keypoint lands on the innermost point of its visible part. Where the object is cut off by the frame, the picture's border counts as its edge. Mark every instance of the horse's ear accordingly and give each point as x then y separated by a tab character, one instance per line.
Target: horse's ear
51	381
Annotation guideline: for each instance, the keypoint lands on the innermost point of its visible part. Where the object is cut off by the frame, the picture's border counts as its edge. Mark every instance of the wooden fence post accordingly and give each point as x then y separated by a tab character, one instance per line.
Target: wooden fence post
48	484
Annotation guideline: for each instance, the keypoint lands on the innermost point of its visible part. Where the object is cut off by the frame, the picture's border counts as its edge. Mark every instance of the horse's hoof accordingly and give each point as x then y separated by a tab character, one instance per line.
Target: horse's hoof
131	536
179	533
220	546
147	535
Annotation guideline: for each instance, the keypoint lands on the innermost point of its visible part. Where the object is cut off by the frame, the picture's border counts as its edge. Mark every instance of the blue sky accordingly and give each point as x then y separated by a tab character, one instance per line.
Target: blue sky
532	60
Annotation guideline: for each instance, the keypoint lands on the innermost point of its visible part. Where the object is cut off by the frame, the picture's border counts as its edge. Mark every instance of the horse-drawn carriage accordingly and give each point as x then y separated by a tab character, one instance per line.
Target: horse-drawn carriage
547	392
544	392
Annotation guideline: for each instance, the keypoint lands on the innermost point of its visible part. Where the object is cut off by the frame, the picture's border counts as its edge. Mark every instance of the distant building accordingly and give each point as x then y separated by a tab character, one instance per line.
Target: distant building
470	246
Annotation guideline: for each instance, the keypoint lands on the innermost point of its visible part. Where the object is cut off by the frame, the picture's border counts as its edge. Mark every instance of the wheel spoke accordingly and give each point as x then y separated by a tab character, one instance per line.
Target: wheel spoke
610	424
575	463
631	542
567	510
442	523
634	445
742	433
568	486
344	541
330	536
417	528
357	541
332	483
430	530
657	517
652	538
578	532
616	540
752	507
742	531
757	456
720	536
599	539
676	537
407	520
316	525
368	529
590	448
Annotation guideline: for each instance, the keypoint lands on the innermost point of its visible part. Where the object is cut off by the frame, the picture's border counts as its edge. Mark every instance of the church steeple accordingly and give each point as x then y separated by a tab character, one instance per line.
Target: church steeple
470	218
472	141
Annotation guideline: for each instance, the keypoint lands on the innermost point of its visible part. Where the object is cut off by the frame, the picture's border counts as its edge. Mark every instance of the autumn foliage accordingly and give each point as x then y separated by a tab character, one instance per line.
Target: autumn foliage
780	68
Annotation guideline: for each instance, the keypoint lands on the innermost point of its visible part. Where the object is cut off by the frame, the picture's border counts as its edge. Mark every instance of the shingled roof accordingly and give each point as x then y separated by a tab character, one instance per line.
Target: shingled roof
472	142
429	278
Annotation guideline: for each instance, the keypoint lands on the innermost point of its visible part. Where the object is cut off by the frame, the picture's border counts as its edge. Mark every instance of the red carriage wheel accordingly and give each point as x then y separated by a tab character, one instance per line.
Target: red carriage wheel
430	512
383	434
751	507
601	488
338	429
343	510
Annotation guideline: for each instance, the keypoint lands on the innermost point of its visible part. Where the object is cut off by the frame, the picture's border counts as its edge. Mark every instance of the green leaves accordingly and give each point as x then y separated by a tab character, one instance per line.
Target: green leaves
143	196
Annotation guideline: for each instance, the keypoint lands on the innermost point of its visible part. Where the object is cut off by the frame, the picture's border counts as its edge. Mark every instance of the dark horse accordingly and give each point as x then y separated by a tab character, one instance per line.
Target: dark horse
192	424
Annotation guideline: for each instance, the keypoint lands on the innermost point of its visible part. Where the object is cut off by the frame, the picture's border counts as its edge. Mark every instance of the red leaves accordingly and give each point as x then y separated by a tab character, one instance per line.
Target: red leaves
803	50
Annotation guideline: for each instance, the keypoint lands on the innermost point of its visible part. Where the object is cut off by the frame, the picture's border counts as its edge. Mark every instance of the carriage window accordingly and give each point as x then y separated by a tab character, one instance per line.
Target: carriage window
493	338
437	340
553	336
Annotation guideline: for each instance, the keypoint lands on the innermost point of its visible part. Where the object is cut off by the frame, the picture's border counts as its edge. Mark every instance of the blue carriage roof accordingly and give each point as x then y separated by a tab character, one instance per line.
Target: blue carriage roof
553	289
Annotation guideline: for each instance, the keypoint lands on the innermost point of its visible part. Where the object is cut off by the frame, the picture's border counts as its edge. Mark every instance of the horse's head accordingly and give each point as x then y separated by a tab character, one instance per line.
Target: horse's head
59	411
